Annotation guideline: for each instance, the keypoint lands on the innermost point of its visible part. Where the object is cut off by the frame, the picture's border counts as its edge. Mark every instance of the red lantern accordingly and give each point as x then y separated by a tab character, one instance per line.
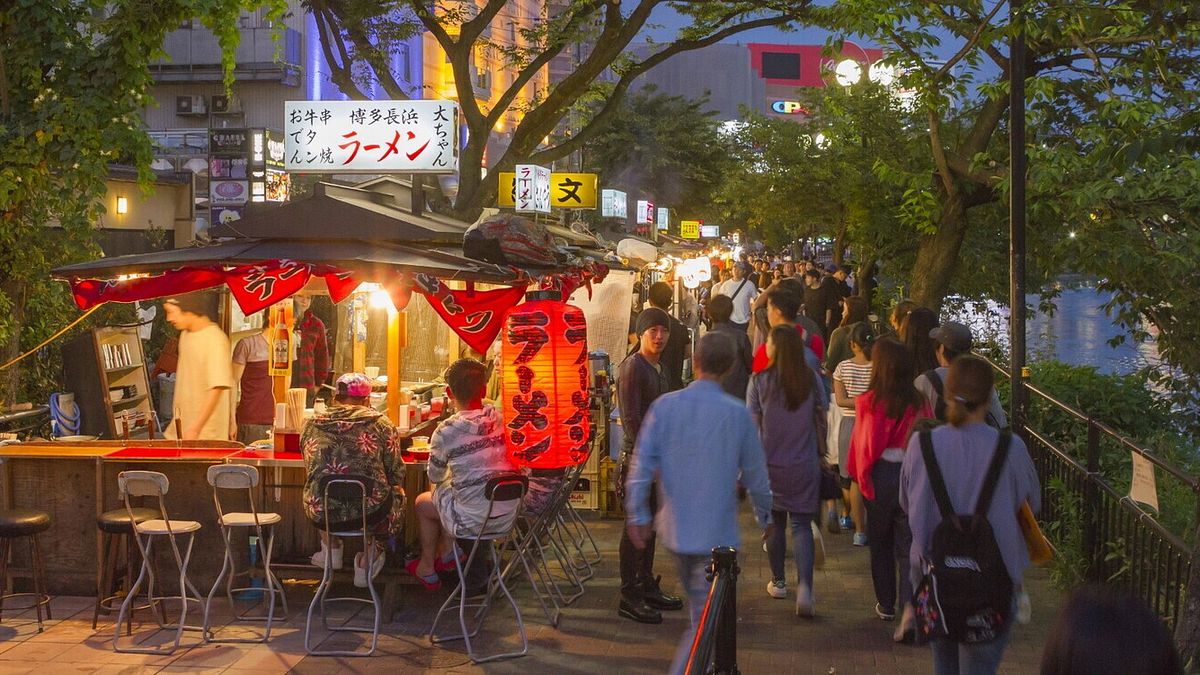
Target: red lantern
546	400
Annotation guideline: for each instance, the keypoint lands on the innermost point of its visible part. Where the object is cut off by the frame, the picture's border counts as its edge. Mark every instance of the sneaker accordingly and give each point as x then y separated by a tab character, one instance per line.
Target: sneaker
885	616
318	558
832	524
847	523
765	547
360	570
860	539
804	601
777	589
1024	608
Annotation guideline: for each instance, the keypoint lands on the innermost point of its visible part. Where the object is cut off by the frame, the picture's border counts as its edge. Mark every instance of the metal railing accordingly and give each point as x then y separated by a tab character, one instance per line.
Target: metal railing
1120	543
715	642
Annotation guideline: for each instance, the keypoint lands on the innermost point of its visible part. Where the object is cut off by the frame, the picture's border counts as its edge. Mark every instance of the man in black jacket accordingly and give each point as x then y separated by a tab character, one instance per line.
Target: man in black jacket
679	344
640	380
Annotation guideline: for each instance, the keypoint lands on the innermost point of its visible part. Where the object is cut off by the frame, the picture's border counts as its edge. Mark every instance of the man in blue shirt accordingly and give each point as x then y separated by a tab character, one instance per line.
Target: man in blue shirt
697	442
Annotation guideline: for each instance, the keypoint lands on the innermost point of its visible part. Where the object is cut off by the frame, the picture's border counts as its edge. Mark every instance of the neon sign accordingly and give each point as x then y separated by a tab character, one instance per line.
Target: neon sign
789	108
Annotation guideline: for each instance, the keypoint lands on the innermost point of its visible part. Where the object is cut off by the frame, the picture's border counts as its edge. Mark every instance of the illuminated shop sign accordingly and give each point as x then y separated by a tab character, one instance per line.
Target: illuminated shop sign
789	108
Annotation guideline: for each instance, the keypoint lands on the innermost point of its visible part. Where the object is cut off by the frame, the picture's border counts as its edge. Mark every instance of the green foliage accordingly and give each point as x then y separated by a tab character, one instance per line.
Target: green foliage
73	81
1068	567
667	146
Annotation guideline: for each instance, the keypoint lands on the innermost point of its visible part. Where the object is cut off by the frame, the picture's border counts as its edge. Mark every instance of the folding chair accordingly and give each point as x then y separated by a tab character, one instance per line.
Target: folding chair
231	477
344	487
503	488
155	484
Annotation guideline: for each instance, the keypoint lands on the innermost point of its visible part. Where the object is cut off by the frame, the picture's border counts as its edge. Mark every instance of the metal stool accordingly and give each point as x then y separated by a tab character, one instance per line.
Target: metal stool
115	530
155	484
243	477
344	487
15	523
503	488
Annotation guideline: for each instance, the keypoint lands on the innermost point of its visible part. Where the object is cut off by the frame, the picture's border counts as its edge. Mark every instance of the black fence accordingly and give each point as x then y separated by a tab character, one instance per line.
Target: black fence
1101	534
715	643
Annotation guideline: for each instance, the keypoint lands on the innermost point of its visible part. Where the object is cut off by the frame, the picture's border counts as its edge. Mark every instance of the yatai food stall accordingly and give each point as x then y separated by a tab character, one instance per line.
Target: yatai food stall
379	261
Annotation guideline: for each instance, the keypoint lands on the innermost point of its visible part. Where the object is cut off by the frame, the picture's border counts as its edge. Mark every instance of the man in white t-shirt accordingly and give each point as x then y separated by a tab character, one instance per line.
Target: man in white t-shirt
741	291
205	376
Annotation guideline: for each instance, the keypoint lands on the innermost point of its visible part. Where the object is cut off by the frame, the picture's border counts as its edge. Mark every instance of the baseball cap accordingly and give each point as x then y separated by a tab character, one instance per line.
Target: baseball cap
954	336
354	385
831	268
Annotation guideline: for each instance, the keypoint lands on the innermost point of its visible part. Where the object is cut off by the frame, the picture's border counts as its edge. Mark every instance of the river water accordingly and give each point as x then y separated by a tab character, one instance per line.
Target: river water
1077	333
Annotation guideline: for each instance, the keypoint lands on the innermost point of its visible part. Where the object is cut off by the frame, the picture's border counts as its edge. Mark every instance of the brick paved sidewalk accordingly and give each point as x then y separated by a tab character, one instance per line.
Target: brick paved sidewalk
845	637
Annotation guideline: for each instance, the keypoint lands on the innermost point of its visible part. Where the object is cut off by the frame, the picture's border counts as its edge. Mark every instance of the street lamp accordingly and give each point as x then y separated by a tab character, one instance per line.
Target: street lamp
848	72
883	74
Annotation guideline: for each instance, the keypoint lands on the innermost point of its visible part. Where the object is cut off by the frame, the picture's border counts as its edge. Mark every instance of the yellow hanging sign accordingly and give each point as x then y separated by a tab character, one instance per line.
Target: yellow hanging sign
567	190
690	229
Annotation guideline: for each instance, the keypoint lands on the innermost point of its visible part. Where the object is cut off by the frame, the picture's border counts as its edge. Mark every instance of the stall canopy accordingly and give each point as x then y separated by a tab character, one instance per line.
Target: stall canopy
344	235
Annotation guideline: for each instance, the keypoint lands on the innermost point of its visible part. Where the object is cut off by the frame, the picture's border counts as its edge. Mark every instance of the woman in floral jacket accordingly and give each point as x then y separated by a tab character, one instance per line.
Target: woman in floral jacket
353	439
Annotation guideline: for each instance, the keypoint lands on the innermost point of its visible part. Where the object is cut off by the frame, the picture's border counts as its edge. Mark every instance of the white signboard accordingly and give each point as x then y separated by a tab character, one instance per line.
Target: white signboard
710	231
371	136
664	218
532	189
645	212
613	204
1143	488
229	192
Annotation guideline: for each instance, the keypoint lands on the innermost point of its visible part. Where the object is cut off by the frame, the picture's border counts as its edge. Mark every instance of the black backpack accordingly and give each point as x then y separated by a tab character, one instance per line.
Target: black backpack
965	594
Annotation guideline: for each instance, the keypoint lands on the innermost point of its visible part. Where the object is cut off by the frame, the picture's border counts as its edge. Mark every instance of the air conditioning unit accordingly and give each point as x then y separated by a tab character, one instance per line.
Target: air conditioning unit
190	105
225	105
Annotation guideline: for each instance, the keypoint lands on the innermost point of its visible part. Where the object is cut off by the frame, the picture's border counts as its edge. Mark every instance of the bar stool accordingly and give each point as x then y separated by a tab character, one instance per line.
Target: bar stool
502	488
243	477
155	484
16	523
344	488
115	530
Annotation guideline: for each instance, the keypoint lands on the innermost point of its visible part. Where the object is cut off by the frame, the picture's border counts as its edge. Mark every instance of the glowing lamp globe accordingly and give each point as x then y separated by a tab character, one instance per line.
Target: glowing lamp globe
543	357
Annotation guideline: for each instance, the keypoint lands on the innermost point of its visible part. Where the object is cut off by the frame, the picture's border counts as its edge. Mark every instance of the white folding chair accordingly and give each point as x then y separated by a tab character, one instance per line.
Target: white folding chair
344	487
503	488
239	477
155	484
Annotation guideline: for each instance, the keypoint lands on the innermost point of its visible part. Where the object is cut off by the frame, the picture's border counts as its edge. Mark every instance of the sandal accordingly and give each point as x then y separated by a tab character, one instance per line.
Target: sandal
431	582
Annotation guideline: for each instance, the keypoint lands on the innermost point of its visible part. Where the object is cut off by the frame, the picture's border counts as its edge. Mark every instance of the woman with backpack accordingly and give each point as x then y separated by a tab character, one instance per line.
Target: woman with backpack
785	401
976	564
884	415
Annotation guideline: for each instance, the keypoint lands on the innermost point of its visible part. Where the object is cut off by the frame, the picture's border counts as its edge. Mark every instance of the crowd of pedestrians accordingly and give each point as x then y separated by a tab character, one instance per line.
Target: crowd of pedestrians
905	421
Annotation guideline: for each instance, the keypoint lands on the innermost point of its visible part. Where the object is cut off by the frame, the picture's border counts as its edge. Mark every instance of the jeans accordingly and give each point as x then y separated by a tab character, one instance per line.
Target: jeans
637	565
954	658
696	584
802	546
888	537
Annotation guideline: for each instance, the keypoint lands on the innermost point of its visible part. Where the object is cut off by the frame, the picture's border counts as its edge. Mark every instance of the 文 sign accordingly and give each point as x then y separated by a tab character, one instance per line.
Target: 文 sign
567	190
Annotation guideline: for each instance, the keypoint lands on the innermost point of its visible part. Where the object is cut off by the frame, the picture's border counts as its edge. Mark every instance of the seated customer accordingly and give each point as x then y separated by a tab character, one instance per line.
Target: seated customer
351	438
466	451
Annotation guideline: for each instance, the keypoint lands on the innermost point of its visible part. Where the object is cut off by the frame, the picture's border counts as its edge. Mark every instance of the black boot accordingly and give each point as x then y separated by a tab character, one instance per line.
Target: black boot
633	606
655	598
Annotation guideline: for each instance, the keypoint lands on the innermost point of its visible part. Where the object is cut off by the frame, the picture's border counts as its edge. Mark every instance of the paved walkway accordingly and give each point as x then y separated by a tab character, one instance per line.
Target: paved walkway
845	638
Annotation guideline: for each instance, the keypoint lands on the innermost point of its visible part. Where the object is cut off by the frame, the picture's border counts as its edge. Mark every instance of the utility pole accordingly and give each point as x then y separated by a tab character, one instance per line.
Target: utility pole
1016	212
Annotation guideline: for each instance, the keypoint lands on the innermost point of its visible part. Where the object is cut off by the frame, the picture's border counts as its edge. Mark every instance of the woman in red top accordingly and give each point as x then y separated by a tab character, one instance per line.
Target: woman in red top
884	416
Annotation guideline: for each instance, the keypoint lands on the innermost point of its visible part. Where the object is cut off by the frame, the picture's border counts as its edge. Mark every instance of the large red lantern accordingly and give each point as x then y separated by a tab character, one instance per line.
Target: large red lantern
546	400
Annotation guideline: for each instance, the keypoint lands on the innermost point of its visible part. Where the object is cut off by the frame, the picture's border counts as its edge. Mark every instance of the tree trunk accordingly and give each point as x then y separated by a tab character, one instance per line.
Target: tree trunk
937	256
839	242
10	379
864	278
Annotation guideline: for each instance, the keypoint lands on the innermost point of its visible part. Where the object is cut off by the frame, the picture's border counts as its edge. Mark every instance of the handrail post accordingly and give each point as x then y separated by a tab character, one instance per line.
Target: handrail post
725	649
1091	505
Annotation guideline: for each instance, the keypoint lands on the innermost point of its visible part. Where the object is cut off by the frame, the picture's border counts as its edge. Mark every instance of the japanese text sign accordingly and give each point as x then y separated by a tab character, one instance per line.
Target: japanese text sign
613	204
664	218
567	190
645	212
710	231
690	229
371	136
532	189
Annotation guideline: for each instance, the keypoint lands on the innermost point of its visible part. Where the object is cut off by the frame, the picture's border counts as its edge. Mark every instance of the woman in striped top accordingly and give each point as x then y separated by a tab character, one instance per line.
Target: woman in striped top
851	377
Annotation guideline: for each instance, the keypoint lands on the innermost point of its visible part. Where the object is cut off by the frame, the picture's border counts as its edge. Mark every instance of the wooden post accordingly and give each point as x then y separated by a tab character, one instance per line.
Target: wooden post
397	340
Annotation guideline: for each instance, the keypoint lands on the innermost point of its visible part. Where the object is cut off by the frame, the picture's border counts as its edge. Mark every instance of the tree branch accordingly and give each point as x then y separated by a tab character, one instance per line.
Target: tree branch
970	44
470	30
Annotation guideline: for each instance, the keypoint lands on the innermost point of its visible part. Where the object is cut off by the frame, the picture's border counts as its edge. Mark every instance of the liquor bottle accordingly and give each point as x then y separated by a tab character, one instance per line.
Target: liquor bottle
280	348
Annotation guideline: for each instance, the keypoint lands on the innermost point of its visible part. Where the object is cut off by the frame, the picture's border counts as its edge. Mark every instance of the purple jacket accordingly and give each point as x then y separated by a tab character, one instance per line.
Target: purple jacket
790	442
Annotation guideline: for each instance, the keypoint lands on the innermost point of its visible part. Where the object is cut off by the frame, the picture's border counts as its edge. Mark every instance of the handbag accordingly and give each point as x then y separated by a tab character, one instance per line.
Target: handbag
831	483
1040	551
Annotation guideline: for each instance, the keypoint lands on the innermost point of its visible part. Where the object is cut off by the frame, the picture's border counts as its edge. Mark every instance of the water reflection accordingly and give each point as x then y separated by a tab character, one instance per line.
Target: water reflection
1077	333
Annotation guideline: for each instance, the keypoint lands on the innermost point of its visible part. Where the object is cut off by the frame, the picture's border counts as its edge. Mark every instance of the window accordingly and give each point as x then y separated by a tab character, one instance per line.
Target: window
780	66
